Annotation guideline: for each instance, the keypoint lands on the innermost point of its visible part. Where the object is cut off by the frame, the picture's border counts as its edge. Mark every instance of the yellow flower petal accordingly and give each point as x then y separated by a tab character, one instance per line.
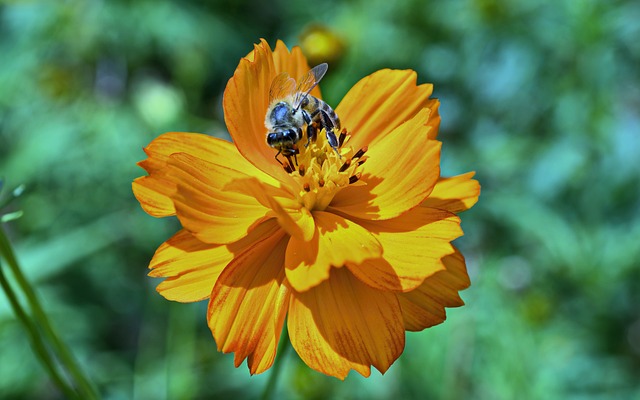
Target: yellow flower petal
246	101
206	207
381	102
335	242
343	324
455	194
400	172
192	267
413	244
154	195
424	306
293	62
249	303
154	191
293	218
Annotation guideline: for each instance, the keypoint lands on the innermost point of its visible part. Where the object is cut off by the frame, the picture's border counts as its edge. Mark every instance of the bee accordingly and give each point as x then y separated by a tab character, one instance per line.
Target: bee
291	107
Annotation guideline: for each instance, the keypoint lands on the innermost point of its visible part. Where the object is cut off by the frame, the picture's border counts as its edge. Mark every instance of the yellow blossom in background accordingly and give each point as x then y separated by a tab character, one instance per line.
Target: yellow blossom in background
321	44
350	250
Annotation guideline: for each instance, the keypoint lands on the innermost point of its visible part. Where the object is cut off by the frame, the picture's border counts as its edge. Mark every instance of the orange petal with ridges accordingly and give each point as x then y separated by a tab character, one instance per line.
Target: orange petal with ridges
204	204
154	195
400	172
381	102
192	267
249	303
413	244
246	101
293	62
296	220
336	241
424	306
343	324
154	191
455	194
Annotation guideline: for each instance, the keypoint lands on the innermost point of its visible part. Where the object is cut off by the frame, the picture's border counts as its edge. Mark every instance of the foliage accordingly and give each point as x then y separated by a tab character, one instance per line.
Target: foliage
540	98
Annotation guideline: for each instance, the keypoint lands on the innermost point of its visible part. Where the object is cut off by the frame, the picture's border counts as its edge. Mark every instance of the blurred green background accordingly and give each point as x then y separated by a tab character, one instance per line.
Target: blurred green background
541	98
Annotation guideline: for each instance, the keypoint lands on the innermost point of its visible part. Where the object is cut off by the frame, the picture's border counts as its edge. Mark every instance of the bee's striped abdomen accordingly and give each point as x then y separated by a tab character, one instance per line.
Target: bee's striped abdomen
321	112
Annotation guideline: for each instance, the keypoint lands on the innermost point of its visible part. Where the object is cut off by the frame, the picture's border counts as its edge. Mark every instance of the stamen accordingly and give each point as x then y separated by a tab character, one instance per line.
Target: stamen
342	137
361	152
288	167
320	173
346	165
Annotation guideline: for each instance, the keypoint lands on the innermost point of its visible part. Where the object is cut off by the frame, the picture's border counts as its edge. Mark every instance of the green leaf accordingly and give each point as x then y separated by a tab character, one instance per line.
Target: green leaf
11	216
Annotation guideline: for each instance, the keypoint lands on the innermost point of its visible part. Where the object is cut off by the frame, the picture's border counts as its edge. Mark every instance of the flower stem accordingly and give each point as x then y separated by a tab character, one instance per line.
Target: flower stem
85	389
283	346
35	338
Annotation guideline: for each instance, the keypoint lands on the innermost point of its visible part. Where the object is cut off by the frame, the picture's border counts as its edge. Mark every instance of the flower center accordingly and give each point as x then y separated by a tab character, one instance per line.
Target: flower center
321	171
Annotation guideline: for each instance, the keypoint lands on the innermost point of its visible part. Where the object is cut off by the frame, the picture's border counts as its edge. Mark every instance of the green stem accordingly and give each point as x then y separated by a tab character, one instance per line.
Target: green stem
86	390
283	346
35	338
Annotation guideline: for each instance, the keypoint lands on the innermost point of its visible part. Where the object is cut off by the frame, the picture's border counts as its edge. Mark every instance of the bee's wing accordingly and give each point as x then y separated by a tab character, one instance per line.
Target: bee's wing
308	82
282	86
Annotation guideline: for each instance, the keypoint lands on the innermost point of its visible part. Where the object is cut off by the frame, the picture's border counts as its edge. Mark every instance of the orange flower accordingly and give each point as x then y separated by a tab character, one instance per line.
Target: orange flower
350	254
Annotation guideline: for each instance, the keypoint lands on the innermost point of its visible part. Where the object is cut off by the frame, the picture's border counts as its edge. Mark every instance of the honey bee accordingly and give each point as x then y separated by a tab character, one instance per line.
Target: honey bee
291	107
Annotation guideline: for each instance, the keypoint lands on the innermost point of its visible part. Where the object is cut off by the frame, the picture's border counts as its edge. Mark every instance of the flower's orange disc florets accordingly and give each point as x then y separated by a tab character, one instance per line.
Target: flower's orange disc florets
320	171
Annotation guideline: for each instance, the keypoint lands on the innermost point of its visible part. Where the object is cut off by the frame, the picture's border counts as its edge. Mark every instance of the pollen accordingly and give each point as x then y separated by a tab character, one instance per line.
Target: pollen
323	171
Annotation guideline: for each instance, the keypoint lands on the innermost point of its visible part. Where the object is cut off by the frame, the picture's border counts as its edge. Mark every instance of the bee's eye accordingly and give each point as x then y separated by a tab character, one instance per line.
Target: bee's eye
272	138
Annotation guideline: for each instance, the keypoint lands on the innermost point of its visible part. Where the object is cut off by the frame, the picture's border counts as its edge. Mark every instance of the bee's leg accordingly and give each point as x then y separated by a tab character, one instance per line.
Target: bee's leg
333	141
289	166
295	154
328	128
293	151
311	130
277	159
